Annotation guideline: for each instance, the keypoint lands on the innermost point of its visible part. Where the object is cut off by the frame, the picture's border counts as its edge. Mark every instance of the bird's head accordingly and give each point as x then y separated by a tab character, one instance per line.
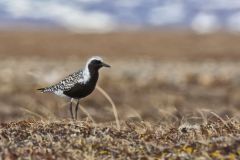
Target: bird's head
95	63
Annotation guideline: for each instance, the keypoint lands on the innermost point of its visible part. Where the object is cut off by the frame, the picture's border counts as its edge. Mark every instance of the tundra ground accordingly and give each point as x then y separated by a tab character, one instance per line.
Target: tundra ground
177	96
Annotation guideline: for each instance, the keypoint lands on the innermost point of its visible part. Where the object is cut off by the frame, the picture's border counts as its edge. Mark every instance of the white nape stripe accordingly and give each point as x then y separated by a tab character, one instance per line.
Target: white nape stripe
94	58
86	73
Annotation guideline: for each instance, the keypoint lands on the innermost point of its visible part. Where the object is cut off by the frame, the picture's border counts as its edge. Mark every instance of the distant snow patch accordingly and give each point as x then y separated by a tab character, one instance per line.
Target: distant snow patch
80	20
89	1
221	5
128	3
169	13
18	8
234	22
205	23
65	14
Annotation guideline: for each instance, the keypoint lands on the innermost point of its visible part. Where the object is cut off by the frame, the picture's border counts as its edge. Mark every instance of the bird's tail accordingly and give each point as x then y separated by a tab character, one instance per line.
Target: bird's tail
42	90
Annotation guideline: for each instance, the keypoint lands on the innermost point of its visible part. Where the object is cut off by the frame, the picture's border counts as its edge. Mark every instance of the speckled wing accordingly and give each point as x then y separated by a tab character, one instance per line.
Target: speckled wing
66	84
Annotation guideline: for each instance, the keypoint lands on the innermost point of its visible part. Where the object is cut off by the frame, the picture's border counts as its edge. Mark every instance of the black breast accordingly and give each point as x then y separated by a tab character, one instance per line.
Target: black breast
81	90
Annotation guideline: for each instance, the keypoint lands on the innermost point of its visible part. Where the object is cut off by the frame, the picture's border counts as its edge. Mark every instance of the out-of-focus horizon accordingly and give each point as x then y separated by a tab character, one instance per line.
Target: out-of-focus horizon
205	16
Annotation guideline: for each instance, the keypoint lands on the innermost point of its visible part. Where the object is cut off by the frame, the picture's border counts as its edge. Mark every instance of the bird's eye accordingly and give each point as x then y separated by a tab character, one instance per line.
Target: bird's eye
97	62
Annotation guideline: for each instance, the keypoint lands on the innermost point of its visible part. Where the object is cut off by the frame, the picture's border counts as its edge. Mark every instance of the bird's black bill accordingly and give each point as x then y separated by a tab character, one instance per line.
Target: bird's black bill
105	65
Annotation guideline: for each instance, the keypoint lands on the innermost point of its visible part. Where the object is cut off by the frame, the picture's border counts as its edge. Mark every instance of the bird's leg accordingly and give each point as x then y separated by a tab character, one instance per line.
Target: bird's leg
76	110
71	109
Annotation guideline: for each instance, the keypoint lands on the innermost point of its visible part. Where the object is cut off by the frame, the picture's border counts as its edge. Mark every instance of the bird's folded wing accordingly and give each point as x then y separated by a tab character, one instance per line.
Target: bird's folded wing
70	81
67	83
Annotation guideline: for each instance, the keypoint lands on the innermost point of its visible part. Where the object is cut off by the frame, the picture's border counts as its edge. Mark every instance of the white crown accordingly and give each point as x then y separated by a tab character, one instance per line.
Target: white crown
94	58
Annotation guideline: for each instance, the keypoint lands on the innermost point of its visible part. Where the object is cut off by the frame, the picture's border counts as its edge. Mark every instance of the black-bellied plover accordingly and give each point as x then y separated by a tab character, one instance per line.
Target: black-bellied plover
78	84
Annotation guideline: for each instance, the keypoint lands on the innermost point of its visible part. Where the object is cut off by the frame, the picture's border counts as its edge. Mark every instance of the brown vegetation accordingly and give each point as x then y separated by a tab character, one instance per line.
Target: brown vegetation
136	140
169	106
138	45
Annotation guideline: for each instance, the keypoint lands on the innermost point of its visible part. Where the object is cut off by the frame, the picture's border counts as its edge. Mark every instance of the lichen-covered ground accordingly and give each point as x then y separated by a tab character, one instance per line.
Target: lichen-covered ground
38	139
177	95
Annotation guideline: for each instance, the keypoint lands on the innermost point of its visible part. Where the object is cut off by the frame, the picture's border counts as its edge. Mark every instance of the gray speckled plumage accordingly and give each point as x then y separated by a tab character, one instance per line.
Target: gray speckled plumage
66	84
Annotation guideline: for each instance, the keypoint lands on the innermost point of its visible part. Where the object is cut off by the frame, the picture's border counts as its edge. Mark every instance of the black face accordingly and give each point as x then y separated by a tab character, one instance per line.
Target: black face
97	64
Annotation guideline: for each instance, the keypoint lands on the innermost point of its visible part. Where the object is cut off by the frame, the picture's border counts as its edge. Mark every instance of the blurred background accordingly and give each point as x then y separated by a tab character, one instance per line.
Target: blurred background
171	59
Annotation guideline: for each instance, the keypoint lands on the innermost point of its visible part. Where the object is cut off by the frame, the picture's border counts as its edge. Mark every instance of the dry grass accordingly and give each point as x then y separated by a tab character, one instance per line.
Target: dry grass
167	116
136	140
112	104
138	45
169	107
173	89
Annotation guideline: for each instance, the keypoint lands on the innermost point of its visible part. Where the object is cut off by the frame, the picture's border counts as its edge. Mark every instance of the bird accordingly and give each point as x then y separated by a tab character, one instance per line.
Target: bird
78	84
